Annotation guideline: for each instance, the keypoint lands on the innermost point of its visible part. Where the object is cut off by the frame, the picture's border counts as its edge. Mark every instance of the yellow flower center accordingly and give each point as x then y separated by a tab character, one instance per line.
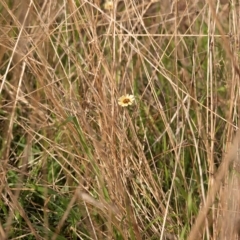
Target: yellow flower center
126	100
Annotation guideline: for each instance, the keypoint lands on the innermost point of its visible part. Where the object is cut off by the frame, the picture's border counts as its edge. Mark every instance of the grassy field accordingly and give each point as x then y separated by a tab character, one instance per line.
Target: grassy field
75	164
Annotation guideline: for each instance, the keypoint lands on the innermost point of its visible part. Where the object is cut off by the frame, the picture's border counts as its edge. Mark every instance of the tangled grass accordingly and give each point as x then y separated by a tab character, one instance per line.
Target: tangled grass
77	165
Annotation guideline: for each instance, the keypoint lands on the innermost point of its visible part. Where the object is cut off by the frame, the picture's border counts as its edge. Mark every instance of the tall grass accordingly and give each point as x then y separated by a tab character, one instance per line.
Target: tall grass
75	164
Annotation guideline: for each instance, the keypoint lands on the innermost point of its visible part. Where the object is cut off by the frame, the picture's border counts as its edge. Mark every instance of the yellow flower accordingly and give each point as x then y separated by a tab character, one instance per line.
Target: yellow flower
126	100
108	5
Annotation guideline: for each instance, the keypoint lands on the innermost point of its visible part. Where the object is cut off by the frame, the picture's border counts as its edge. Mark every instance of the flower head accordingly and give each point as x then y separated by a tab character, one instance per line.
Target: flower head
108	5
126	100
